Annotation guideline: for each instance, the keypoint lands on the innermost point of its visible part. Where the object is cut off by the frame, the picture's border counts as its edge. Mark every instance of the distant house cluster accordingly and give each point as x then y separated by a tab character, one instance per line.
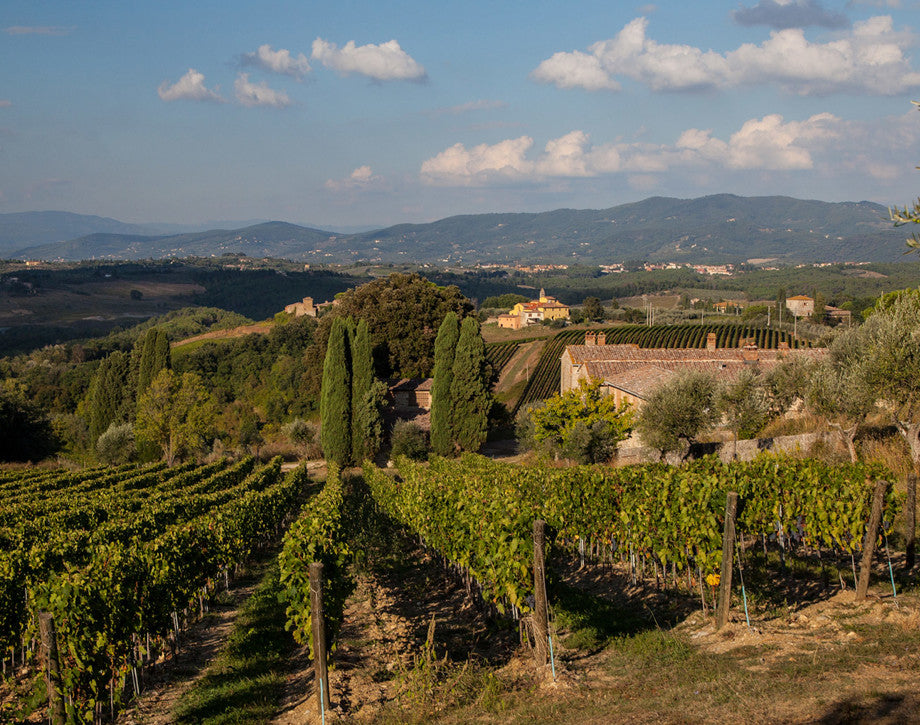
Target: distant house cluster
545	308
630	373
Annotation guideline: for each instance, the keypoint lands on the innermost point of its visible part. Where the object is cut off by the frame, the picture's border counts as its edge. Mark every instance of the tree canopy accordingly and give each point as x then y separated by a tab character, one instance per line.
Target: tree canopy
678	411
403	313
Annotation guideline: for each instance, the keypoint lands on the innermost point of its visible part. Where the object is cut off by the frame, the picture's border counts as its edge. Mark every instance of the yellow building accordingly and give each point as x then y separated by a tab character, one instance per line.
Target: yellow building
538	310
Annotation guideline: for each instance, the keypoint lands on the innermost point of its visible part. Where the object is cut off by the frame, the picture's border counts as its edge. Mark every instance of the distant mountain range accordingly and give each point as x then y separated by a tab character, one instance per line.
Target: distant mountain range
712	229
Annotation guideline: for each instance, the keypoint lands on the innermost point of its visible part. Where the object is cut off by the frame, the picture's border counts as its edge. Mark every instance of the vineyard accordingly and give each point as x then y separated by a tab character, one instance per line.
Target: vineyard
120	557
478	513
544	381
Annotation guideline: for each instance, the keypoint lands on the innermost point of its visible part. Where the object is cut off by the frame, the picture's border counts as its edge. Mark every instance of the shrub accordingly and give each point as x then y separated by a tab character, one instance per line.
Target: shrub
409	440
116	445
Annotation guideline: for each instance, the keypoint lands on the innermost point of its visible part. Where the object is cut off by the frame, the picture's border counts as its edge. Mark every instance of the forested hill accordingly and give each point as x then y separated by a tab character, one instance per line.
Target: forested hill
712	229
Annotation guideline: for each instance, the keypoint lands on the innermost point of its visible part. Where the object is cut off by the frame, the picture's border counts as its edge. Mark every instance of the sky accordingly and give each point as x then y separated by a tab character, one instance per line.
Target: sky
362	114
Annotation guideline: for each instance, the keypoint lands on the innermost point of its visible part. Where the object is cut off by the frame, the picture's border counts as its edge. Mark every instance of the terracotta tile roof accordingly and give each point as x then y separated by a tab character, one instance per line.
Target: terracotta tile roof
409	384
638	370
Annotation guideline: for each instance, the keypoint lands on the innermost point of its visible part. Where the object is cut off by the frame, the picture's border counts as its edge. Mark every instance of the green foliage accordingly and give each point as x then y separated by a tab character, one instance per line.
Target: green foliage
111	554
744	404
109	399
503	302
403	313
409	440
25	432
582	424
479	513
116	446
319	536
176	414
591	309
678	411
301	434
335	401
469	389
442	439
368	396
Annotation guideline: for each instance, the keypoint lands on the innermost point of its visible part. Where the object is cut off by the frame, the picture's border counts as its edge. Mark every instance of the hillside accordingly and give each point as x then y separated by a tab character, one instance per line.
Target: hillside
712	229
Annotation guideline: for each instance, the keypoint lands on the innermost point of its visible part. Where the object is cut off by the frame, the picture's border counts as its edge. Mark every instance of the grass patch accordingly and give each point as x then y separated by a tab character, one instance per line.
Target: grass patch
589	622
246	682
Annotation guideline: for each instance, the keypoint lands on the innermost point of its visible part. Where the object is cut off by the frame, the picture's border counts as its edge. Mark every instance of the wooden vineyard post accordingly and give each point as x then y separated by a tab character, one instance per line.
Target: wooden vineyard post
540	618
875	520
48	635
728	550
319	635
910	521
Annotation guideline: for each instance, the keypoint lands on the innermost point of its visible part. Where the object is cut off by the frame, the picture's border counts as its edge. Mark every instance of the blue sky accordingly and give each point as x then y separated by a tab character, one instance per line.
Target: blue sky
366	113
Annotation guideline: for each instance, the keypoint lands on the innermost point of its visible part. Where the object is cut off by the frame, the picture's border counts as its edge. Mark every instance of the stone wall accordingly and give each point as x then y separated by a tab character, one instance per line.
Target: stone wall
746	450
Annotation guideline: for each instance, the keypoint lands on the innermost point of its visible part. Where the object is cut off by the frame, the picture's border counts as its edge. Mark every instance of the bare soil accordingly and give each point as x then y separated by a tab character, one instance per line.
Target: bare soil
199	645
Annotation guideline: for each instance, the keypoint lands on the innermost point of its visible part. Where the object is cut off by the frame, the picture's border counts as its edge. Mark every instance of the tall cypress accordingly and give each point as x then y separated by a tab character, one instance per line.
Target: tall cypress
145	372
162	358
365	413
106	394
469	390
445	346
335	396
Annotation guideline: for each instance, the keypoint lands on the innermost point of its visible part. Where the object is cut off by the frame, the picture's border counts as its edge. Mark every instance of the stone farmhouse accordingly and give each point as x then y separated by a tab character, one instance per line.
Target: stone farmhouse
630	373
800	305
306	308
533	312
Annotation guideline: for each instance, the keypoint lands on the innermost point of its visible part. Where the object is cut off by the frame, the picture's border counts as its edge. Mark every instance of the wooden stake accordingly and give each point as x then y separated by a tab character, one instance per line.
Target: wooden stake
52	671
910	521
319	635
875	520
728	548
540	623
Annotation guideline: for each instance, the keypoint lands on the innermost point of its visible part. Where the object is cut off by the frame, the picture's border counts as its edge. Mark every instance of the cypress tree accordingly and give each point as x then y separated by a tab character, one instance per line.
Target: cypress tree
445	345
335	396
469	389
162	357
145	371
365	413
106	394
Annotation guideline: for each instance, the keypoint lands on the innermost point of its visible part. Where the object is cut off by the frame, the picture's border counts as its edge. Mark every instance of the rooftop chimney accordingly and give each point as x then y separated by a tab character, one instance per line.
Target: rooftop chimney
750	353
602	338
590	338
711	341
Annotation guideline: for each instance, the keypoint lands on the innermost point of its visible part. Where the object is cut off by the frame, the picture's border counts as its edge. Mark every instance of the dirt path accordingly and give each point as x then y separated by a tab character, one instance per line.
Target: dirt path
260	329
387	621
200	645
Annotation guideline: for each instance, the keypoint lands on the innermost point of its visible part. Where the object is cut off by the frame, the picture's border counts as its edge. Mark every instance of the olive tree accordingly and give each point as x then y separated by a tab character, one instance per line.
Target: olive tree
678	412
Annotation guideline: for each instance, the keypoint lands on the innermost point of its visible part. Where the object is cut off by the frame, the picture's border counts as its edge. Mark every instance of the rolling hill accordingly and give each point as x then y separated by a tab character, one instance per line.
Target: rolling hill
712	229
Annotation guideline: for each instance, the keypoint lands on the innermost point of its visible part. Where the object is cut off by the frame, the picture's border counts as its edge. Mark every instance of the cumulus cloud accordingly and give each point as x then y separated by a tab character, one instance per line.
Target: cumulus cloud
189	87
871	59
38	30
384	62
258	94
277	61
766	144
782	14
361	178
458	165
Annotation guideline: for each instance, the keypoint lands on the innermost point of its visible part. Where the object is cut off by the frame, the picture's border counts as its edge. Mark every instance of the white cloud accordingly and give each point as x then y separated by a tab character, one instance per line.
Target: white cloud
384	62
781	14
480	164
258	94
870	59
189	87
38	30
765	144
278	61
361	178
